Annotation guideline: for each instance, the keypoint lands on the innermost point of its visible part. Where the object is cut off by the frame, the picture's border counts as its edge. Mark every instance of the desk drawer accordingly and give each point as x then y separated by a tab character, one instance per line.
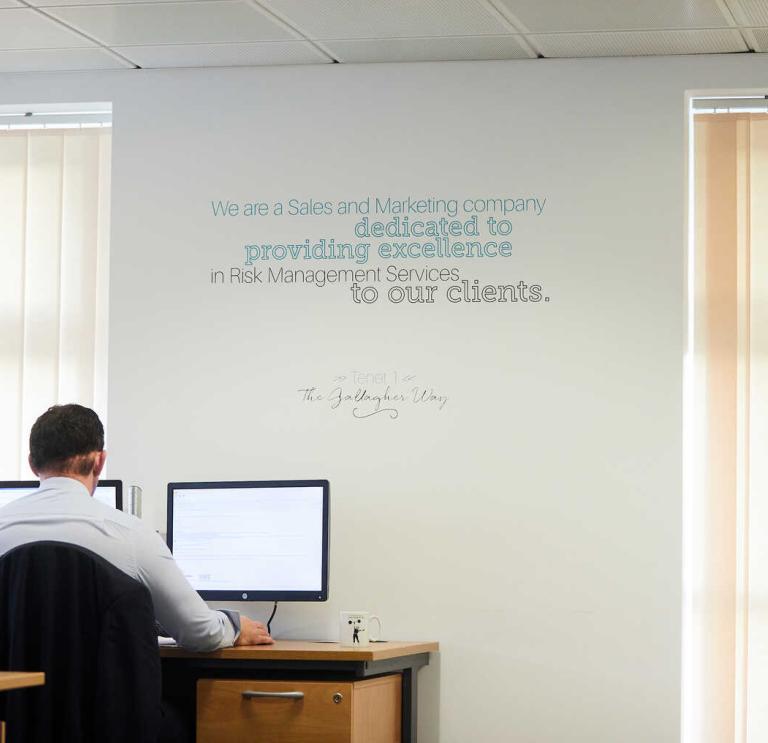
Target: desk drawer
308	712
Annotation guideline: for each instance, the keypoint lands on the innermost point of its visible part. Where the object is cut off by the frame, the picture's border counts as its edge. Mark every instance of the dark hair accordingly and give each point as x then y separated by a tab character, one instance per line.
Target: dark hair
64	438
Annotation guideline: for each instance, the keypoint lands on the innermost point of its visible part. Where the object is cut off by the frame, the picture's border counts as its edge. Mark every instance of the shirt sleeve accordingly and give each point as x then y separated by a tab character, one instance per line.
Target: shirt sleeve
178	607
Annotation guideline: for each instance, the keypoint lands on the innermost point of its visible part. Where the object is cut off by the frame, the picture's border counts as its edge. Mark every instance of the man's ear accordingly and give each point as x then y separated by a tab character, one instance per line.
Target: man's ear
32	467
100	461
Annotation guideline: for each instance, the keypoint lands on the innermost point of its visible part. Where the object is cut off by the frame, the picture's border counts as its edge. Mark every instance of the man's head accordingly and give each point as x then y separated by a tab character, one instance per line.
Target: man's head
67	440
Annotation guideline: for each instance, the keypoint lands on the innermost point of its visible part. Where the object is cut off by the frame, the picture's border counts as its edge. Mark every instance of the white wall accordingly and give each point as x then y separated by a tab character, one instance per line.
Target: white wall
533	525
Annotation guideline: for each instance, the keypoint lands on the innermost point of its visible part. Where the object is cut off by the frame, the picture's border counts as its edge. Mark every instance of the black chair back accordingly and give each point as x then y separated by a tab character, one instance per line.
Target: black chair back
90	628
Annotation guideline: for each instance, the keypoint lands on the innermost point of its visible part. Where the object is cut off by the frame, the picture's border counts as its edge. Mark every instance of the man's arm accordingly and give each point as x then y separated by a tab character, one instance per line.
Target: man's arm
179	608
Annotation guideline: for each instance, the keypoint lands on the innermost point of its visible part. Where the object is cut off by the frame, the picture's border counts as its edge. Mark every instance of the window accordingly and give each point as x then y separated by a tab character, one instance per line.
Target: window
726	577
54	267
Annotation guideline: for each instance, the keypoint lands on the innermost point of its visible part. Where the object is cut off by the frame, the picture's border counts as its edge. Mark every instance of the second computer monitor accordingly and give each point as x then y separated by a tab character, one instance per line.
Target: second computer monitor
251	541
110	492
107	491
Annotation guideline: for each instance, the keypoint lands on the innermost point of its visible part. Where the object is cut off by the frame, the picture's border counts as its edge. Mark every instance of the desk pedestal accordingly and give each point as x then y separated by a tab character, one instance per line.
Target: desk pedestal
288	662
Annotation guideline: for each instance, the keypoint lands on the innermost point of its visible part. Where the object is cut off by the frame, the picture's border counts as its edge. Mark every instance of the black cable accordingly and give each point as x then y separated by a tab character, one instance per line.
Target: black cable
271	617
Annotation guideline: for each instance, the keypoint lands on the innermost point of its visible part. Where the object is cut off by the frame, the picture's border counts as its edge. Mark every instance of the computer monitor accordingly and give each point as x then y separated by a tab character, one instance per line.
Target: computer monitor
251	541
110	492
107	491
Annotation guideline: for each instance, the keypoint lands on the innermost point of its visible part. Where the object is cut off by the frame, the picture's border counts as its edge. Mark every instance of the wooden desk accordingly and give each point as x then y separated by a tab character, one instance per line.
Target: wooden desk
18	680
295	660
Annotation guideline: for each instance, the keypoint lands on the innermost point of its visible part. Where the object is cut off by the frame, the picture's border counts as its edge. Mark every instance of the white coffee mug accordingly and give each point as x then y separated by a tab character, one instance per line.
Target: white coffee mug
354	628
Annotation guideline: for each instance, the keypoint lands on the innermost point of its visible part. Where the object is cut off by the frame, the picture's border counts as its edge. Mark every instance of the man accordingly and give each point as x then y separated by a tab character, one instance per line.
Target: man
66	451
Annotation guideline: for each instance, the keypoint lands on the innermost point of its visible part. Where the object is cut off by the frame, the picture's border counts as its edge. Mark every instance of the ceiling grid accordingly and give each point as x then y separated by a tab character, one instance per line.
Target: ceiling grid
45	35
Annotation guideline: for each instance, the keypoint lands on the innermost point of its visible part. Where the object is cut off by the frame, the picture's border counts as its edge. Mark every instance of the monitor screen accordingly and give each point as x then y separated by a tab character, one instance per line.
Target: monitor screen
107	491
251	541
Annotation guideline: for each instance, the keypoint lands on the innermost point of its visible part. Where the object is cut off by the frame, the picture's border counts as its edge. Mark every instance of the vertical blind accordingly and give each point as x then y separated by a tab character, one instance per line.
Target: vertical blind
727	661
54	272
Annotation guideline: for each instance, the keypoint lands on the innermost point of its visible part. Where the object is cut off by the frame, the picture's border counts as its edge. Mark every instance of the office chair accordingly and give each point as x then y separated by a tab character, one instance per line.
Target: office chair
90	628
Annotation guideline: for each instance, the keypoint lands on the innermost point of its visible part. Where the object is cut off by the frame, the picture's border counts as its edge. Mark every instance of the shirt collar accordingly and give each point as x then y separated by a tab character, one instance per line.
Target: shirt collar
67	484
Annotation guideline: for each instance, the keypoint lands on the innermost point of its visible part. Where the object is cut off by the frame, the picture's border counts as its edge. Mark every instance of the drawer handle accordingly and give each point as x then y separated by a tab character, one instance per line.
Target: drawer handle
273	695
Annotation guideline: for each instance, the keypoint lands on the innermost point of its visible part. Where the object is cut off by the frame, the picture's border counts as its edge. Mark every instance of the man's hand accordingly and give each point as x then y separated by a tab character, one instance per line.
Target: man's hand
252	633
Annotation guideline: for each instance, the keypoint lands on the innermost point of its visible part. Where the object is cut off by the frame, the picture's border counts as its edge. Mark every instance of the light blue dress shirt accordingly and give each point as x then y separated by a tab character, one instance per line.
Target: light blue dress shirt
62	510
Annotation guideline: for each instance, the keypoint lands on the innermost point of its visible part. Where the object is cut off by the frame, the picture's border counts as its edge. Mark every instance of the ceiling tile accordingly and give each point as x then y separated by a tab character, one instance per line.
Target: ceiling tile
609	15
427	50
639	43
761	37
224	55
23	28
173	23
60	3
751	12
47	60
380	19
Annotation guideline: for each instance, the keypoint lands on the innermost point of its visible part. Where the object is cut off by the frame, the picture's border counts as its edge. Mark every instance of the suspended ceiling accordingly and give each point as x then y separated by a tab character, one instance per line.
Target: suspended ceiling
43	35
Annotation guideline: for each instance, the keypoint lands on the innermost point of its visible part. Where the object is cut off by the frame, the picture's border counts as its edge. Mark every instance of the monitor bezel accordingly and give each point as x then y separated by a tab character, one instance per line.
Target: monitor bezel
246	594
117	484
